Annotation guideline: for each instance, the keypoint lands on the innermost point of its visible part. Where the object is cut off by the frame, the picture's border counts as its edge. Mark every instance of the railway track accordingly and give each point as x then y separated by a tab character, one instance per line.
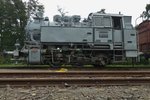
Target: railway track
68	78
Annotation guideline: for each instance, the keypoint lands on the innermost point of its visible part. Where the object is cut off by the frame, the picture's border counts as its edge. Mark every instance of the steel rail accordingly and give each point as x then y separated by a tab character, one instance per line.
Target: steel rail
75	81
74	74
87	78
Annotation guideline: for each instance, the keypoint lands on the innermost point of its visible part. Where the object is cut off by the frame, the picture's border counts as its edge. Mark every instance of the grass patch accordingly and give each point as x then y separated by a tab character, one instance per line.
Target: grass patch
128	66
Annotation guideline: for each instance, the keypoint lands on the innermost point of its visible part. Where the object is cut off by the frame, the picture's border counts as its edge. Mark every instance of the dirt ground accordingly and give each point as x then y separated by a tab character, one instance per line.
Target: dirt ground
75	93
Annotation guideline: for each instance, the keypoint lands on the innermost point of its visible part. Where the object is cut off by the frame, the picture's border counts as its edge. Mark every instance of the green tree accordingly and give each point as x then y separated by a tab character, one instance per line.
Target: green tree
32	7
146	14
147	11
13	19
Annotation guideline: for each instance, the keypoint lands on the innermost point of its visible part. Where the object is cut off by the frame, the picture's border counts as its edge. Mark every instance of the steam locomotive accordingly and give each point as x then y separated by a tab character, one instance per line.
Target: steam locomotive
99	39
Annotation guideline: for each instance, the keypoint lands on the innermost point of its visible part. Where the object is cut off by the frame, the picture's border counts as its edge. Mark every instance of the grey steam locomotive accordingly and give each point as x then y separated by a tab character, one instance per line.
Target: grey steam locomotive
100	39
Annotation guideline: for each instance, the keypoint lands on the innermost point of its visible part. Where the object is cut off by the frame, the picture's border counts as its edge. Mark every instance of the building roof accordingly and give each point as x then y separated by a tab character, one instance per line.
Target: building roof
143	24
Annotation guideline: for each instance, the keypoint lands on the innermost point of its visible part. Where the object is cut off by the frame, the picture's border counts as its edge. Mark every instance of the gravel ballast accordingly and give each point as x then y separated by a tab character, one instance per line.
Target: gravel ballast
75	93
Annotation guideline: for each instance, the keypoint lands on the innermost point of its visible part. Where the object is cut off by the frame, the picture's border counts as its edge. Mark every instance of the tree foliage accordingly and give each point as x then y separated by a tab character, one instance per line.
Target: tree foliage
33	7
146	14
13	19
147	7
147	11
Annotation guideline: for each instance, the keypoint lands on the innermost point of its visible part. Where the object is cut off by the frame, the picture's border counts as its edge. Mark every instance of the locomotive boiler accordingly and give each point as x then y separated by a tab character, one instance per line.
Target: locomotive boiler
99	39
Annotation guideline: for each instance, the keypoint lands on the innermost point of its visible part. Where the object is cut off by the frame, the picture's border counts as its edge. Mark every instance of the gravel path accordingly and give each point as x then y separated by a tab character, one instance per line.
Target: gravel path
76	93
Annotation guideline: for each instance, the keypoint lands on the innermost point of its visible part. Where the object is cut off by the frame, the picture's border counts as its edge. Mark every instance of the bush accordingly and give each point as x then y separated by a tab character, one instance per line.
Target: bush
5	60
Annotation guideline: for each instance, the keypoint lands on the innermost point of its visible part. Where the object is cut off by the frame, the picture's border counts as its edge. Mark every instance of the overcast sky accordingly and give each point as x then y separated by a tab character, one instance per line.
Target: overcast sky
83	7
